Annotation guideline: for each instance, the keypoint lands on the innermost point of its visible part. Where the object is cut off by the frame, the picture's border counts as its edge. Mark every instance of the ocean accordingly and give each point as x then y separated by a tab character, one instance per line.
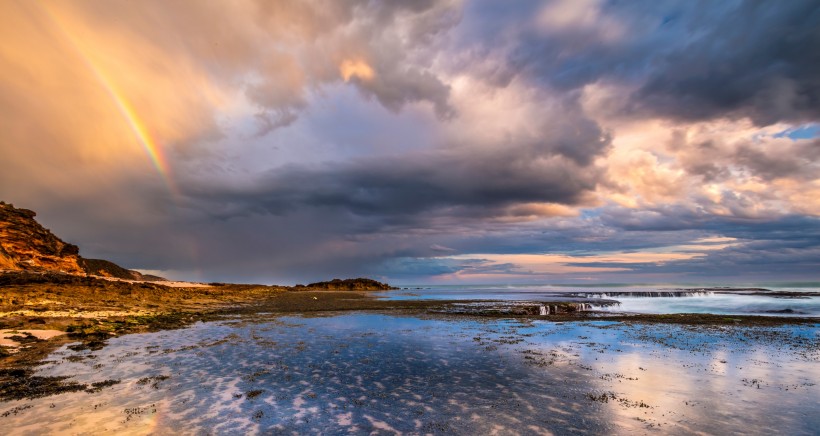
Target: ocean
782	299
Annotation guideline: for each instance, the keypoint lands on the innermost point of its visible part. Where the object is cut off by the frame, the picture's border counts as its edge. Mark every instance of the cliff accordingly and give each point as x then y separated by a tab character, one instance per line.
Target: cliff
101	267
25	245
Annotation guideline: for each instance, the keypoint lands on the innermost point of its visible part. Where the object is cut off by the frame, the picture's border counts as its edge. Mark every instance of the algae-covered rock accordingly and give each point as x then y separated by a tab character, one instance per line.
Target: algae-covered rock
359	284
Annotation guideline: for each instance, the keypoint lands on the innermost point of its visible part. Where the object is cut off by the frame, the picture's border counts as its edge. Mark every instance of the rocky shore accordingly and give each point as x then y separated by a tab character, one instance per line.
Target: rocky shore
90	310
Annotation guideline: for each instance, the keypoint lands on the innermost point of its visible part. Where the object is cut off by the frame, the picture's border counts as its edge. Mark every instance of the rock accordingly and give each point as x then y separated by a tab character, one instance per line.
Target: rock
25	245
785	311
360	284
101	267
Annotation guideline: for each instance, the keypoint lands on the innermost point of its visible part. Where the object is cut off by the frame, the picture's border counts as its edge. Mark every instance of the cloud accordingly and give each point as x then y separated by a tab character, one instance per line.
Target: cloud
403	187
441	248
280	141
680	60
749	60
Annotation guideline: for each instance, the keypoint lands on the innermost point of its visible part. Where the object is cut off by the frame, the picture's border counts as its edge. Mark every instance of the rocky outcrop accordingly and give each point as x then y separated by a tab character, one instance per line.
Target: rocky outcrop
28	246
360	284
104	268
25	245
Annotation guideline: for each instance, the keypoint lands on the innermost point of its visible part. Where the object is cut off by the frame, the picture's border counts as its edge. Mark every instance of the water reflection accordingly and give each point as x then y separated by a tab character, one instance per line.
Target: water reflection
712	380
376	373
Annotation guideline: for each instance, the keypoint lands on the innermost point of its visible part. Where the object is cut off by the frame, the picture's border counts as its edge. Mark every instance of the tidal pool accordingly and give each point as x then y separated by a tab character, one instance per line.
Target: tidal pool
383	374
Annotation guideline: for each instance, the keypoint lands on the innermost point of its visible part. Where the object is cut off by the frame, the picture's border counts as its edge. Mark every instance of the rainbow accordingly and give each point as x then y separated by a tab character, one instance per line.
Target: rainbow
148	144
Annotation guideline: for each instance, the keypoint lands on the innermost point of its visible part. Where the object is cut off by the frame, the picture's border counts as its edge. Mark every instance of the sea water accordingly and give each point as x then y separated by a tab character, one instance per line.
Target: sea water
382	374
655	299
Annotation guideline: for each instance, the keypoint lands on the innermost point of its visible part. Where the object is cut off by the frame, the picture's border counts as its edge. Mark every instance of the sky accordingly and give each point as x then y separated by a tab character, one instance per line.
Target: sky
440	142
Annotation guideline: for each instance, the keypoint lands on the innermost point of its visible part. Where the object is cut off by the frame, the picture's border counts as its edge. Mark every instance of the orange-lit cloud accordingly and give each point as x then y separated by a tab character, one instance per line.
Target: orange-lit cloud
356	68
518	266
563	264
730	167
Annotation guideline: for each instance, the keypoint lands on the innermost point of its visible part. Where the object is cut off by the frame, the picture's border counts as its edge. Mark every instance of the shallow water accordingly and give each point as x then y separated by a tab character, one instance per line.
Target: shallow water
722	304
364	373
698	302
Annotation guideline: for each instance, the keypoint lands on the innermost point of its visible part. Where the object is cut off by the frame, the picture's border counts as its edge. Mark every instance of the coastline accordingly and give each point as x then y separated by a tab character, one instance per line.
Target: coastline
92	310
305	358
372	371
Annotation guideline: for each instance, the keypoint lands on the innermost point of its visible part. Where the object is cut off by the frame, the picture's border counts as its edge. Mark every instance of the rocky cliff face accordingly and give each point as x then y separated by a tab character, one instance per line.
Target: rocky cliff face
101	267
26	245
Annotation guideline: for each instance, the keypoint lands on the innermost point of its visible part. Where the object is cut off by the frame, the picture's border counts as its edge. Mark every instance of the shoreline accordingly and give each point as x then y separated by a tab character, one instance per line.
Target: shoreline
90	311
302	372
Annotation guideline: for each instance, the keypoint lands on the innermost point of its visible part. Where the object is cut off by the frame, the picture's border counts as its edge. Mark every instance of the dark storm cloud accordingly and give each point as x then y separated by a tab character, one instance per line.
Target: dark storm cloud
746	262
417	185
660	218
754	58
793	231
680	218
785	248
684	60
552	163
774	247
